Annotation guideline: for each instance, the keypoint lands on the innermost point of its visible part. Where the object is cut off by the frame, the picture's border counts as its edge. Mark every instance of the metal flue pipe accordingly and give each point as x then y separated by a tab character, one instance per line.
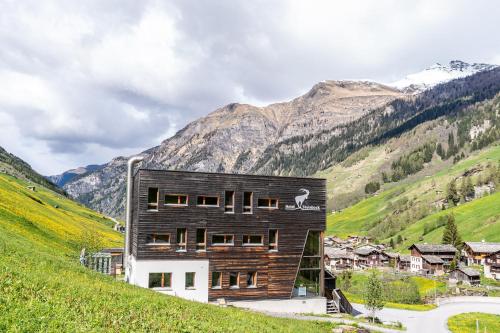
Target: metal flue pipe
126	253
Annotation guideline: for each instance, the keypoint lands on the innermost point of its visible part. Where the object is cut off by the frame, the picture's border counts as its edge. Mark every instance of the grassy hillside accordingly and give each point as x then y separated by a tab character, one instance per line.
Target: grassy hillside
481	215
44	289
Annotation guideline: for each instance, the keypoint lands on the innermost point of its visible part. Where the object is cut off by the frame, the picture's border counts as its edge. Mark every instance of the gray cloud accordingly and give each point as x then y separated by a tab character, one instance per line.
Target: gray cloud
83	82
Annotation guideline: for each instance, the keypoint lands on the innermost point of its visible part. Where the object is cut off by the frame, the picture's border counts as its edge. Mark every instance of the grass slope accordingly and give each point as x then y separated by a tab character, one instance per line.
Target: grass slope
466	322
359	218
44	289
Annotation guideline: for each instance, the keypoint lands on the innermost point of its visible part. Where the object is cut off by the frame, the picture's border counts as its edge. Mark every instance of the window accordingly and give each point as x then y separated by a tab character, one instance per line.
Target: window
160	280
234	280
309	272
253	240
181	239
158	239
247	202
153	198
222	240
201	239
229	202
176	200
190	280
251	279
267	203
273	240
216	280
204	200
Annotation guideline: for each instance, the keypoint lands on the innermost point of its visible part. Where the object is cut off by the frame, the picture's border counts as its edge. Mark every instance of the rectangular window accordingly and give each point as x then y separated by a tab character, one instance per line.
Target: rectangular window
222	240
160	280
190	280
207	201
247	202
273	240
181	239
251	279
201	239
163	239
267	203
253	240
153	198
234	280
176	200
229	202
216	280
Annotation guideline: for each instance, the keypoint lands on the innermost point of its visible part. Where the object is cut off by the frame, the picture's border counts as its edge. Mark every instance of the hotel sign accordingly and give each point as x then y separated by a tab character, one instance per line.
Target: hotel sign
300	202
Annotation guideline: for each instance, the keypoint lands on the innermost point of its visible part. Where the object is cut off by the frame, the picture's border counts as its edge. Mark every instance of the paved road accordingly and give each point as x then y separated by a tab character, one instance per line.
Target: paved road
435	320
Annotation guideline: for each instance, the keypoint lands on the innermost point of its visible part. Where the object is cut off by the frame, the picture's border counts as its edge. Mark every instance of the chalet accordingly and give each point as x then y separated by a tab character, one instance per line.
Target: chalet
337	259
492	266
476	252
465	275
212	236
369	256
404	262
432	252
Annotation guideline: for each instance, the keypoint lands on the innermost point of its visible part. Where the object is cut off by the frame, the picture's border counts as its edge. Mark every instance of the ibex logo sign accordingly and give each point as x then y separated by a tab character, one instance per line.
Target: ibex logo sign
300	202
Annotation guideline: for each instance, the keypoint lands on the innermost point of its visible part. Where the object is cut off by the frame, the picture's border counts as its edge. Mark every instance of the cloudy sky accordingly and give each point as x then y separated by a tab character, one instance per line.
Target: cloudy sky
84	81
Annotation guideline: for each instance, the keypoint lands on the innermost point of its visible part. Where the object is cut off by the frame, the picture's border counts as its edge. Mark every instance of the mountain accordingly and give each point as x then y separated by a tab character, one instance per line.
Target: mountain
322	128
14	166
438	73
62	179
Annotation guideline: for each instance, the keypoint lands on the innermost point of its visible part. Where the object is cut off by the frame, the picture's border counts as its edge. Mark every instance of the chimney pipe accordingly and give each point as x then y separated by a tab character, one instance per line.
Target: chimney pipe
126	253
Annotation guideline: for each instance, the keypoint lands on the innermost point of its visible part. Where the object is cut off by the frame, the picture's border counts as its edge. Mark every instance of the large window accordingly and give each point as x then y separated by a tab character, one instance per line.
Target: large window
158	239
176	200
234	279
247	202
250	240
229	202
273	240
222	240
181	239
160	280
267	203
252	279
216	280
201	239
308	278
190	280
153	198
207	201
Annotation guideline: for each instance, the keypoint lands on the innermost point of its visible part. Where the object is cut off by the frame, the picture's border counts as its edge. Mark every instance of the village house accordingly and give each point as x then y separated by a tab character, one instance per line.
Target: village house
404	262
476	252
466	275
337	259
492	266
369	256
431	258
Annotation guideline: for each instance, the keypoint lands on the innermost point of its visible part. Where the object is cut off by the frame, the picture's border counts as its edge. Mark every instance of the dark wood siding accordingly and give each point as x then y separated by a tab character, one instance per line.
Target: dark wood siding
276	271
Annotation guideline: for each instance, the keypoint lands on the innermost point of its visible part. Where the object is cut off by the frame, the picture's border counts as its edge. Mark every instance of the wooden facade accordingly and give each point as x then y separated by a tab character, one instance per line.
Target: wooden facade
276	269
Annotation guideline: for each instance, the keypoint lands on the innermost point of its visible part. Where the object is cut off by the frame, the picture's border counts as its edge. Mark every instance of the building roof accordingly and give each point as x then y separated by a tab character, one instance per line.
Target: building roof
433	259
483	247
366	250
405	257
468	271
336	253
434	248
392	255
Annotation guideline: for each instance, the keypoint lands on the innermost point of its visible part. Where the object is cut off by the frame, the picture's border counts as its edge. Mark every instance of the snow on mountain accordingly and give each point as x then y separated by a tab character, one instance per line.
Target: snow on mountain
437	74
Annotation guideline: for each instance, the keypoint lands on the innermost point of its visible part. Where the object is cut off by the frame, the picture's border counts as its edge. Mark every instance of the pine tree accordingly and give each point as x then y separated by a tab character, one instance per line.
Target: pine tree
452	194
373	294
399	239
450	233
391	243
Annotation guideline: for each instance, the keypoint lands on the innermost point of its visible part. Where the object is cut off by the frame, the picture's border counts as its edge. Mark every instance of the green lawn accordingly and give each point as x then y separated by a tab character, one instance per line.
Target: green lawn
44	289
466	323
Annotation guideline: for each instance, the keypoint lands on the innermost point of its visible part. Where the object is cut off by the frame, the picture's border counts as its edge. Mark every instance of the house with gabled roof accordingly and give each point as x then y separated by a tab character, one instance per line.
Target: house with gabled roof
492	266
432	252
476	252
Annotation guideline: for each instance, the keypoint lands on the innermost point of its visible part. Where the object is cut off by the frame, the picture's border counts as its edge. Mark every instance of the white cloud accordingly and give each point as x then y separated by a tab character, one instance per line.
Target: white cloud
83	82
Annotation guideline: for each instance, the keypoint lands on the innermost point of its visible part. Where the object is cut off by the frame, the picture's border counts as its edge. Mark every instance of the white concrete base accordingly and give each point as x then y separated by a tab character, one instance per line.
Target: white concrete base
140	269
316	305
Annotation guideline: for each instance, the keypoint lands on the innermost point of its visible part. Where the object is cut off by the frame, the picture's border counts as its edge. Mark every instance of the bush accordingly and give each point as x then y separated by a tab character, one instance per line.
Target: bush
372	187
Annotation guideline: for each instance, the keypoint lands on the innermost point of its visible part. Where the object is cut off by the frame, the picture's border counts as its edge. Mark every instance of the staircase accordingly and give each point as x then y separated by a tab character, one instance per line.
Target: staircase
331	306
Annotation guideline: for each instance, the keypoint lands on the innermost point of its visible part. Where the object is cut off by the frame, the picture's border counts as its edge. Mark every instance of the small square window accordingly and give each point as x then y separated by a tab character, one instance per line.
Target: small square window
234	280
190	280
222	240
216	280
267	203
253	240
201	239
208	201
